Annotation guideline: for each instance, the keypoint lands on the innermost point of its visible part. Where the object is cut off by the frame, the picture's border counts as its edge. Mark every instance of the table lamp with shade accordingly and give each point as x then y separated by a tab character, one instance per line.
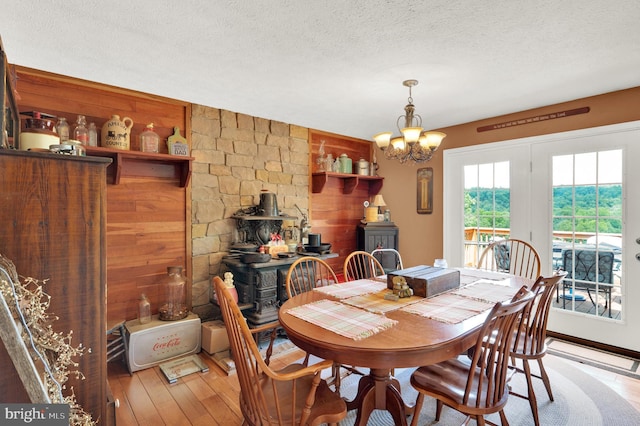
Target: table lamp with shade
378	202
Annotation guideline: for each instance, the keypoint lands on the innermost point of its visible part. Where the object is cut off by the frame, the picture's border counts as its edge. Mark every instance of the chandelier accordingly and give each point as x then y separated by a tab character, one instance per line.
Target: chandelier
415	143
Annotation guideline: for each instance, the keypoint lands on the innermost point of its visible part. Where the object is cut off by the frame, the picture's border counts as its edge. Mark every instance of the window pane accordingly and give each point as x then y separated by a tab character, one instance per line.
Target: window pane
562	170
587	229
610	200
562	201
487	206
610	226
502	175
485	175
471	176
585	170
609	167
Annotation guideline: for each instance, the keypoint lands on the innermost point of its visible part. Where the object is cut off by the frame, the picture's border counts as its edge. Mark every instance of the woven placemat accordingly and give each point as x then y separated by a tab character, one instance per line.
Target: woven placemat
345	320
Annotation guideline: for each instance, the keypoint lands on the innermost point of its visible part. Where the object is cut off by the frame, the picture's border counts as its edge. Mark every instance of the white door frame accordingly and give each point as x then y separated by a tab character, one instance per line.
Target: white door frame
453	220
621	333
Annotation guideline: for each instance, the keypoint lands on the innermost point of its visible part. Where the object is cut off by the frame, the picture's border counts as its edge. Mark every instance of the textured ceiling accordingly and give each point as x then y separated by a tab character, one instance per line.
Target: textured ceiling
337	65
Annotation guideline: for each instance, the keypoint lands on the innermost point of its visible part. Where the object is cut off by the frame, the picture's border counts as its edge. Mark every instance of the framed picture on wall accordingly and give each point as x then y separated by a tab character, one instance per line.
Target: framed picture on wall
425	191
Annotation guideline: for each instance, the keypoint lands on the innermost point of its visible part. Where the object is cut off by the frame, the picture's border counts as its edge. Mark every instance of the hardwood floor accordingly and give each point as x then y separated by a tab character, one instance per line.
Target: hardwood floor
211	398
146	398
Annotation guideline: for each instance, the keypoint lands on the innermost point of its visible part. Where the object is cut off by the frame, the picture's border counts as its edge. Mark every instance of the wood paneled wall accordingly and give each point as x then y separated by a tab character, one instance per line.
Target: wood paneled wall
67	97
148	218
333	214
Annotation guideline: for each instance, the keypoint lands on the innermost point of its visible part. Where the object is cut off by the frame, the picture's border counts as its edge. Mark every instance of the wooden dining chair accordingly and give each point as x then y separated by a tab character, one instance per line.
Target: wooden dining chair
295	395
530	341
478	386
360	264
512	256
307	273
389	258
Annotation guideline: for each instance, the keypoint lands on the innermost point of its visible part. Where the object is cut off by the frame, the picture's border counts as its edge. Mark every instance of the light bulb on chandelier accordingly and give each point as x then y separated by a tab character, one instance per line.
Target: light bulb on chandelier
415	144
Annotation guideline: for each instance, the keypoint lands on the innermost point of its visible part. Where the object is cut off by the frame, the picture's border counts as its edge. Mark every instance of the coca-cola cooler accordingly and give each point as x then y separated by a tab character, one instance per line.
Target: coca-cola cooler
159	341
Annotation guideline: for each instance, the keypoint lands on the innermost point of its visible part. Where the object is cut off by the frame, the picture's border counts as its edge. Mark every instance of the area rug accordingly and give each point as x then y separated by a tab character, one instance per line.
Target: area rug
579	400
281	348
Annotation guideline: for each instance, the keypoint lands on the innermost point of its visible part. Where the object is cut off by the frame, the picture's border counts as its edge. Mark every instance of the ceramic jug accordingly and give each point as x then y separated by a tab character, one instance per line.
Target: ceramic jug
116	133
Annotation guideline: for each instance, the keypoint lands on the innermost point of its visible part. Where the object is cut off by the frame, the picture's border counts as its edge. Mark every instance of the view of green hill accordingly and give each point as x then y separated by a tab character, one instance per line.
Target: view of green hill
486	207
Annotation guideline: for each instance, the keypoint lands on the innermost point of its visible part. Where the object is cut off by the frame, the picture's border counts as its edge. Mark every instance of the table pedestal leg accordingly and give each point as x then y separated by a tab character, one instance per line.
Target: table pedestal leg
380	391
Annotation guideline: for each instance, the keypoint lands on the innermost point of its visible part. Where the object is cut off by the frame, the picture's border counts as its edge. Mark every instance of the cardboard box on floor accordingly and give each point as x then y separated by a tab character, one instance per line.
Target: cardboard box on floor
214	337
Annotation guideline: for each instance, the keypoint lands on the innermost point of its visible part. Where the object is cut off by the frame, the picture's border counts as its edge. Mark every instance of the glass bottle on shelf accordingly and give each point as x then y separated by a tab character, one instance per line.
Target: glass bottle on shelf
62	129
149	140
80	132
329	162
93	134
336	166
174	306
321	159
144	309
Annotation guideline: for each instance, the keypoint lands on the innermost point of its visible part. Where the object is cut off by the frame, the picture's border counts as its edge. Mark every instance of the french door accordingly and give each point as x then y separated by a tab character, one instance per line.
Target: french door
571	195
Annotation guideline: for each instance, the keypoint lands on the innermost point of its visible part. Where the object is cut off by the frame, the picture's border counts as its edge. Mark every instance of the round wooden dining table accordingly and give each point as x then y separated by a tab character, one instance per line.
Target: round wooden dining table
412	342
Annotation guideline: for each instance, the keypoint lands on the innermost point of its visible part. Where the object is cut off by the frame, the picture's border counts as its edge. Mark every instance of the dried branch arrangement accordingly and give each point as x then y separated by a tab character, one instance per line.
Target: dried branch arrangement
28	304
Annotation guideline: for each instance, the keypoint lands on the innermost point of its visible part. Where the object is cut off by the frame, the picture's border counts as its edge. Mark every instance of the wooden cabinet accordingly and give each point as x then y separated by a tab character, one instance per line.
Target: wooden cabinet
377	235
52	226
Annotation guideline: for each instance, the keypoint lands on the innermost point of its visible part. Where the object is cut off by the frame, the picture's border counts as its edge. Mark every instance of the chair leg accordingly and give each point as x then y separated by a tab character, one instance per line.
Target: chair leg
416	409
438	409
503	418
530	392
607	300
545	379
591	298
336	377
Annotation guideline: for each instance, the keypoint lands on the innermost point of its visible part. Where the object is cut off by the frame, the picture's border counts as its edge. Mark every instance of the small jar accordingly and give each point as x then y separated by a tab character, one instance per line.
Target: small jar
62	129
336	166
387	216
80	132
174	306
149	140
93	134
346	165
329	162
144	310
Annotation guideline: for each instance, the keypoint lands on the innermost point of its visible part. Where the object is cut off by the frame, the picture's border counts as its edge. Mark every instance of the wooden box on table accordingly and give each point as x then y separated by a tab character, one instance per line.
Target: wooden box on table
427	281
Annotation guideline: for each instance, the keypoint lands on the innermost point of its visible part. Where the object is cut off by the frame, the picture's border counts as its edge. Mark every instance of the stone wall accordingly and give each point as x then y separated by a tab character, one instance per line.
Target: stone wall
236	156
